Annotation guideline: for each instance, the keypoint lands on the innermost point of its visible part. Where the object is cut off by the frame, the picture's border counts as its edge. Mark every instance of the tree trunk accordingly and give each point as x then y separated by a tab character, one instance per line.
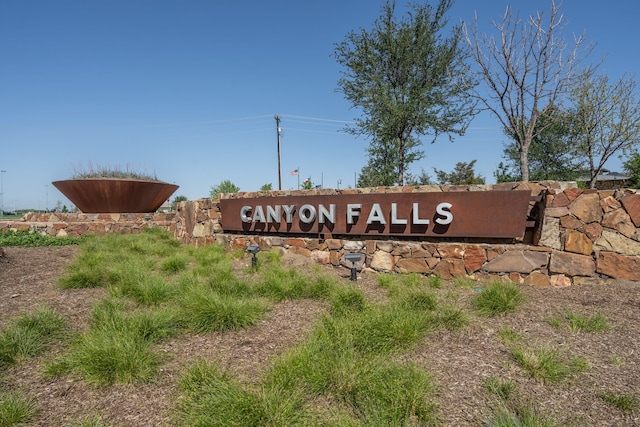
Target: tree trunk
524	163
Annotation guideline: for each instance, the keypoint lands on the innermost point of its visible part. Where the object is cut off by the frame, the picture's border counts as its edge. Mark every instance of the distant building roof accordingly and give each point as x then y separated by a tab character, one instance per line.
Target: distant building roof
607	175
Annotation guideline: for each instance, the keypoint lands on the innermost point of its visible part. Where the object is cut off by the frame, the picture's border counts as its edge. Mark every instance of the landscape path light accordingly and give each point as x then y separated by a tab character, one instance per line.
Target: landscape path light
353	258
253	249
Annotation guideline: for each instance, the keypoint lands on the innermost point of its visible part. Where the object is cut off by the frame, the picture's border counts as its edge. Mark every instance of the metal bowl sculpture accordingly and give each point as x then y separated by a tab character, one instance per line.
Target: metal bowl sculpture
115	195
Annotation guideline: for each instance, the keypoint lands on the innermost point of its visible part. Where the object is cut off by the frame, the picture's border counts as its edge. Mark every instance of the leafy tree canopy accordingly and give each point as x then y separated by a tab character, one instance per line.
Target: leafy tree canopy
462	174
632	168
409	80
554	153
225	186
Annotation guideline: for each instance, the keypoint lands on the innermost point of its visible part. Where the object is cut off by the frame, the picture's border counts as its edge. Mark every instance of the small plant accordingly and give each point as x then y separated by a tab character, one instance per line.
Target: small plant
15	409
501	388
28	239
498	297
117	348
211	397
581	323
545	364
28	335
204	310
434	282
622	401
449	317
509	336
98	171
465	282
174	264
519	416
89	421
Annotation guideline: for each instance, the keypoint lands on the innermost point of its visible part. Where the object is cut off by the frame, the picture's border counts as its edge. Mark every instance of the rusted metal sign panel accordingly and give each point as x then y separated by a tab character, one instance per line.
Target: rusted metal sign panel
494	214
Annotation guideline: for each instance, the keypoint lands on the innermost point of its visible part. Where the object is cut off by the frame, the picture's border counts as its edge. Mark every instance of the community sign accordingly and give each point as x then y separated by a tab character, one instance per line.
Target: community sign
490	214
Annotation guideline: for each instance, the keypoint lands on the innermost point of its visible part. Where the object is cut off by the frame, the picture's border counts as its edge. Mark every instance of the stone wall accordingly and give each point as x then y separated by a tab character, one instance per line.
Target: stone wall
78	224
579	236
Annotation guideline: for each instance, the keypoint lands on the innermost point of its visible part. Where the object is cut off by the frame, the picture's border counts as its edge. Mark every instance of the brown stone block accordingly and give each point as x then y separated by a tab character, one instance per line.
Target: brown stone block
420	252
316	244
295	242
593	231
560	200
401	251
577	242
609	204
620	221
382	261
631	204
537	278
560	281
516	277
334	244
447	250
571	264
557	212
474	258
519	261
335	256
450	268
570	222
622	267
412	265
572	193
432	261
586	207
298	250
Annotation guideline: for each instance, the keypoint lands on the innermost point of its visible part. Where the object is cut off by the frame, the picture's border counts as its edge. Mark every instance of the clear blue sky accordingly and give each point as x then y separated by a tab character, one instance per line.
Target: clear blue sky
188	90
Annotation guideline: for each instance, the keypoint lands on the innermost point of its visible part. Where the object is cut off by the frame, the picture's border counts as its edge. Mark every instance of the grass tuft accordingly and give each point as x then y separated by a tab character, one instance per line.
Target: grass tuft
204	310
118	346
545	364
15	409
582	323
211	397
29	334
622	401
498	297
503	389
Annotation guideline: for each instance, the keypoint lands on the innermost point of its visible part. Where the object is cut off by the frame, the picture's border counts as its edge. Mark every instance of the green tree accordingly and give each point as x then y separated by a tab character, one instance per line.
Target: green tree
527	68
608	119
225	186
381	168
553	153
177	200
307	184
422	178
409	80
462	174
632	168
266	187
505	173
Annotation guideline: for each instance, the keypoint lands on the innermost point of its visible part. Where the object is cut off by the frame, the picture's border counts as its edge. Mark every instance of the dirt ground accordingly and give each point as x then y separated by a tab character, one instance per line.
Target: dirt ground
459	361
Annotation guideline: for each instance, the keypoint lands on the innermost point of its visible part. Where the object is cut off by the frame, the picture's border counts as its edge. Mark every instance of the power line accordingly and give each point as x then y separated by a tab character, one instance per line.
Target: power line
317	118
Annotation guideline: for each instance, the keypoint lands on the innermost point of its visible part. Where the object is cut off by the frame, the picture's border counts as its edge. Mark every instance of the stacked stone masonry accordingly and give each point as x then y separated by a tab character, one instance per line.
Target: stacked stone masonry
580	236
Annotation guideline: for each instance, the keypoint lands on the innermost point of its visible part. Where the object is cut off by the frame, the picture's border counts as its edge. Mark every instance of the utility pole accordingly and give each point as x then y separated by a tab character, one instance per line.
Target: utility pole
279	168
2	172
